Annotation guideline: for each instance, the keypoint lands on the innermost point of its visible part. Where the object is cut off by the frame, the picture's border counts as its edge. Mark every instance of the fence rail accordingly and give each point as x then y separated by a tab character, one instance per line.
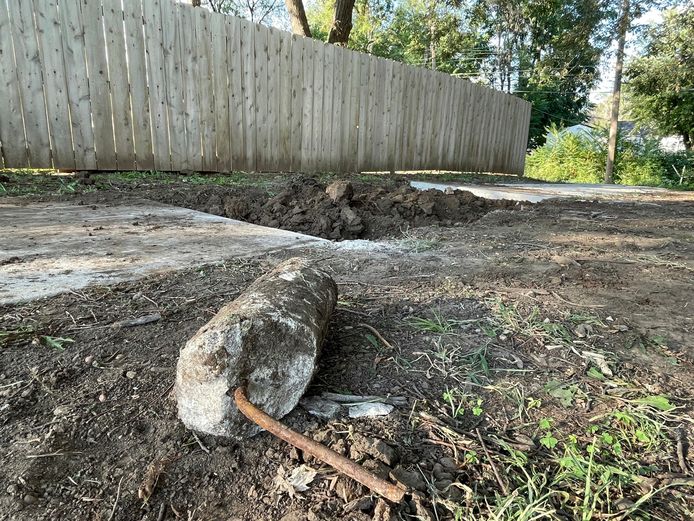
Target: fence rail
153	84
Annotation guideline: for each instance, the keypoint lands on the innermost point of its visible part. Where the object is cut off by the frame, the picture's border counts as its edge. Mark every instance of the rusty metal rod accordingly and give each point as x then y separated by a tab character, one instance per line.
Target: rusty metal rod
315	449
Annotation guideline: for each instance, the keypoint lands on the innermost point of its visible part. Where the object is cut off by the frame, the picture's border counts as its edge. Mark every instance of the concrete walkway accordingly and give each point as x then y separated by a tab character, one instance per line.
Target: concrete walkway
536	192
49	248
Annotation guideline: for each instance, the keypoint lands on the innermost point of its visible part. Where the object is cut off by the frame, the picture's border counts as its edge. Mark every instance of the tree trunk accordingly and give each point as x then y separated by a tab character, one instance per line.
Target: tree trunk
342	22
616	93
297	15
432	45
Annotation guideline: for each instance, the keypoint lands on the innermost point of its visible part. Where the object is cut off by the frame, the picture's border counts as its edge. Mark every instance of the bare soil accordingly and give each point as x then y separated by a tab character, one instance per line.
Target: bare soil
510	325
301	204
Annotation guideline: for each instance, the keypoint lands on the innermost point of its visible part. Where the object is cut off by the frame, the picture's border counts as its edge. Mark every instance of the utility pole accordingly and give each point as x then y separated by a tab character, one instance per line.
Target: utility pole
617	92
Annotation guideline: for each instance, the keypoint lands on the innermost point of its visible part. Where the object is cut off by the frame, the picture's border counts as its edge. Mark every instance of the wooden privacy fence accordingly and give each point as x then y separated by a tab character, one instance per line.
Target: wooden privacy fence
153	84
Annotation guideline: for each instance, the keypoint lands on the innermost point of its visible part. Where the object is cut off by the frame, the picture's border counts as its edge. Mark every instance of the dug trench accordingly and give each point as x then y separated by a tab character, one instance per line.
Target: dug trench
338	210
520	344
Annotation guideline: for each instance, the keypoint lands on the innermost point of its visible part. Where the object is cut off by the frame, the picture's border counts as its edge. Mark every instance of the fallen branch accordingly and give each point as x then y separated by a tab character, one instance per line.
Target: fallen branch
139	321
315	449
115	503
491	462
575	303
378	335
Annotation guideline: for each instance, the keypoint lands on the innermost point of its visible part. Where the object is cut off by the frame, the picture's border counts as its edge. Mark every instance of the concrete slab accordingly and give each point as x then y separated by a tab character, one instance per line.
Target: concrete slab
536	192
49	248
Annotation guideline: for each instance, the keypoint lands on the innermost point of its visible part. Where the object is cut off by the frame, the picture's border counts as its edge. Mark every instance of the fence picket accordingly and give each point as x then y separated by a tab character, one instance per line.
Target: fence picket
54	84
118	81
190	57
297	101
239	159
77	84
318	96
273	98
137	77
220	70
14	150
247	33
205	88
156	78
284	125
29	75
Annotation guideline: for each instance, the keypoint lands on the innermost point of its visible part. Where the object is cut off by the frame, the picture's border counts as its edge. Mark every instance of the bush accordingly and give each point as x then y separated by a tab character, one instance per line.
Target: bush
581	158
567	158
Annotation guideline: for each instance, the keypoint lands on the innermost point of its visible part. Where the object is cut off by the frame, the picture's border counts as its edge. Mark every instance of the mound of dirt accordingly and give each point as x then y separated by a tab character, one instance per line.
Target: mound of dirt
338	211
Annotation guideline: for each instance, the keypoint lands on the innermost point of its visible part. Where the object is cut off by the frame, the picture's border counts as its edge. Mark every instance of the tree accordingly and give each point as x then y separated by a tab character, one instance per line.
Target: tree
545	51
661	83
623	27
297	16
342	22
258	11
370	21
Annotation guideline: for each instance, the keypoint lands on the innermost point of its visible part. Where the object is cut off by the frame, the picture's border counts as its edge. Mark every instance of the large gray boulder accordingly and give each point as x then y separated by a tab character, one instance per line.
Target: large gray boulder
268	339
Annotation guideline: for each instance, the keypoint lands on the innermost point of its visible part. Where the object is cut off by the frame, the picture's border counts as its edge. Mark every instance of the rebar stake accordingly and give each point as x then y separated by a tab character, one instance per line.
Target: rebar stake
315	449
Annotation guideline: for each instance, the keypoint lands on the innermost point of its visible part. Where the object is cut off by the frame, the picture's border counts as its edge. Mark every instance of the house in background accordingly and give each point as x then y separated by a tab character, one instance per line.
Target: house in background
627	128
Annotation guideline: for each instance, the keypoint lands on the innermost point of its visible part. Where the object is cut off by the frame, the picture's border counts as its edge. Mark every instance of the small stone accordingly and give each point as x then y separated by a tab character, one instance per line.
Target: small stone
26	393
349	216
102	397
12	489
88	359
61	410
339	191
374	447
449	464
443	484
410	479
376	467
320	407
130	375
294	454
29	499
370	410
363	503
348	490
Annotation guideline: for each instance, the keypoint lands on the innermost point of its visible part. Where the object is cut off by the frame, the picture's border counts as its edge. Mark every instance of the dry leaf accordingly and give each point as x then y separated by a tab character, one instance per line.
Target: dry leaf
298	481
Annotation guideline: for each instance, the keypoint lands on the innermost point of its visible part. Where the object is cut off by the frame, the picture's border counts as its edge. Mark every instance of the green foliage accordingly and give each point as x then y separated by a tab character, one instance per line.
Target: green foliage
580	158
567	157
661	83
408	31
547	51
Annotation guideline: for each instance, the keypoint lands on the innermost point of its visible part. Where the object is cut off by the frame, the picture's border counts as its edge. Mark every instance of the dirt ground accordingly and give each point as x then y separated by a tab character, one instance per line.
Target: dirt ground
544	353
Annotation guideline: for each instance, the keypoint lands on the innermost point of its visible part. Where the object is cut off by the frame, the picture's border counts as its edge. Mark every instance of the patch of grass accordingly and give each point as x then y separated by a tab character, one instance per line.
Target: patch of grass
232	179
437	323
53	342
30	334
553	458
417	244
9	337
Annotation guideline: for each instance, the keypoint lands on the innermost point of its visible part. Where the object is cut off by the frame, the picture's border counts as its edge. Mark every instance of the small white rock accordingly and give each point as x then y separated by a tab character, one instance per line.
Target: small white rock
370	409
320	407
130	374
102	397
88	359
